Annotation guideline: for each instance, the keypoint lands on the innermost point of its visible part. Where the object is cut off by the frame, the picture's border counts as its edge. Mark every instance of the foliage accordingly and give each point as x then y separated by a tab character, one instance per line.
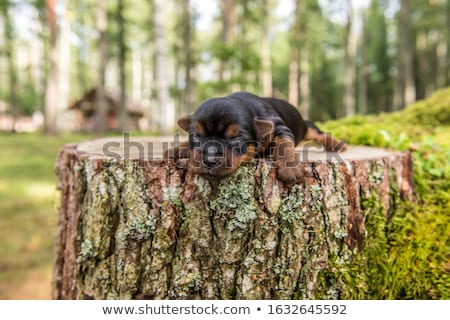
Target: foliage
411	259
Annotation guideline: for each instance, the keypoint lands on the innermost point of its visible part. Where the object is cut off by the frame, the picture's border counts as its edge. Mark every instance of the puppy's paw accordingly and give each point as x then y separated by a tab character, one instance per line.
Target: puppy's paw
340	147
171	154
290	174
177	153
335	145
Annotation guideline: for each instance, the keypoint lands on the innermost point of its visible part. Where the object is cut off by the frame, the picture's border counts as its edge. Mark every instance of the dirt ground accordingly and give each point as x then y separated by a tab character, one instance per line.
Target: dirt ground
35	286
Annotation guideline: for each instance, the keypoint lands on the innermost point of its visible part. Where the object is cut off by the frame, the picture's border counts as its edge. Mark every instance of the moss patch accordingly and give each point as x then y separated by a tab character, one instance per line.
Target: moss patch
409	258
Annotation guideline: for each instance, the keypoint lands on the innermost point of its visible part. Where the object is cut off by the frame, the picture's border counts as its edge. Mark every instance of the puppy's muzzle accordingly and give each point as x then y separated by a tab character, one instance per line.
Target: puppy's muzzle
212	162
212	158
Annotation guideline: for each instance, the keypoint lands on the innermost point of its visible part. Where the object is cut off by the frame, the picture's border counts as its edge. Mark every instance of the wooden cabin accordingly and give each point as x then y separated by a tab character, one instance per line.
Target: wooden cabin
86	114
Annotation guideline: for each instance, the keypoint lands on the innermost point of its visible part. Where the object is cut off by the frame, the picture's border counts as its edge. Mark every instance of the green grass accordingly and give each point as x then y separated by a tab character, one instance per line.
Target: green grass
28	206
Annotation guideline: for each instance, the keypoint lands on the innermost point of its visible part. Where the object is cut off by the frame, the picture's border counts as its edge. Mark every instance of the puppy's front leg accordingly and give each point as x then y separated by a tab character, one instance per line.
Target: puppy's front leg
287	160
180	152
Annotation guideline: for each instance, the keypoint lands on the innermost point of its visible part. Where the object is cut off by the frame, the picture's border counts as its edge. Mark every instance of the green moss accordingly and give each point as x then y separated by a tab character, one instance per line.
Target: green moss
433	111
231	294
358	276
410	254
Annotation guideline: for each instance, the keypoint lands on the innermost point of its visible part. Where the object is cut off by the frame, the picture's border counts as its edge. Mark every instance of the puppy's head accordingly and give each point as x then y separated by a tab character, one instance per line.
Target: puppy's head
222	135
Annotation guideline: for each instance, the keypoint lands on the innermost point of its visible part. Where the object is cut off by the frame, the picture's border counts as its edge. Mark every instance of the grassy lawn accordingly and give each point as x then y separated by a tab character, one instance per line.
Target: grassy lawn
28	213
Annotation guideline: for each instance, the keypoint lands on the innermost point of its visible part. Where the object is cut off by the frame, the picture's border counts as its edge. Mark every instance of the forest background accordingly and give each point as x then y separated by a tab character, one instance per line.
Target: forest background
362	61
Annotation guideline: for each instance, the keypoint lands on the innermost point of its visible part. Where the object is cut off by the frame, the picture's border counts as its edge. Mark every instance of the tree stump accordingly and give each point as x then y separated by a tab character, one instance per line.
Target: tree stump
132	225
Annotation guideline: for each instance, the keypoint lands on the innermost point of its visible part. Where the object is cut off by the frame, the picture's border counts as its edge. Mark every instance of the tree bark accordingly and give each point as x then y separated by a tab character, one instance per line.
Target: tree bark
134	226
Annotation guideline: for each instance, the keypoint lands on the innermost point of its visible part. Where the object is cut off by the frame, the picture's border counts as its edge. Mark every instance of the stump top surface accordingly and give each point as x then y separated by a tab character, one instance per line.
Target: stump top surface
152	148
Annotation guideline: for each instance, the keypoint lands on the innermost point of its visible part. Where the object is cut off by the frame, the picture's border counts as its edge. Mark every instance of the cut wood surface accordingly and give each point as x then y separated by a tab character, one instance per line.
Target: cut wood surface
132	225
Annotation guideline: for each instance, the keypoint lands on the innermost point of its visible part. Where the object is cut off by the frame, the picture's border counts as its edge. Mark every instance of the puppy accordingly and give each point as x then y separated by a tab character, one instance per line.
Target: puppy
226	132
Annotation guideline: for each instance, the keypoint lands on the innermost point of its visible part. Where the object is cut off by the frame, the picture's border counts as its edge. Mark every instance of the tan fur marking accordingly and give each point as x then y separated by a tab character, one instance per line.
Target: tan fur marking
327	140
232	130
249	155
199	129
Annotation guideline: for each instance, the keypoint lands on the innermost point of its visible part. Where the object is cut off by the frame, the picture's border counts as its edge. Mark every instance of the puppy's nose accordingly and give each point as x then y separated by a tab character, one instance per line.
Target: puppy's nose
211	161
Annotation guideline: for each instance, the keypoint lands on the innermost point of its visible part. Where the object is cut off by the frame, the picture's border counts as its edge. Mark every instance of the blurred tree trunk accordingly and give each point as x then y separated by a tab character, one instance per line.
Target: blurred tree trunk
349	64
425	62
51	90
398	99
82	78
363	72
244	73
228	16
101	106
8	30
188	61
137	74
37	61
441	63
265	52
123	114
63	65
305	92
42	33
406	52
164	104
294	56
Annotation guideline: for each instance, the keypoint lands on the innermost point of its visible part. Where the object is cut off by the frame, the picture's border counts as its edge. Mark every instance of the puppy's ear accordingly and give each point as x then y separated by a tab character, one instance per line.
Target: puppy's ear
185	123
263	127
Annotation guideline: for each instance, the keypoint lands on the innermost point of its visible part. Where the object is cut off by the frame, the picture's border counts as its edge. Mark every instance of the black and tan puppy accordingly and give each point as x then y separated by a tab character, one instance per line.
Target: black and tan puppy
225	132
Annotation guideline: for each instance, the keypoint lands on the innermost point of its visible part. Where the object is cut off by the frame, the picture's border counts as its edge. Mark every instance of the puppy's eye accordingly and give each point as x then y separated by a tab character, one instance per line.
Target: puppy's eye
199	129
232	131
